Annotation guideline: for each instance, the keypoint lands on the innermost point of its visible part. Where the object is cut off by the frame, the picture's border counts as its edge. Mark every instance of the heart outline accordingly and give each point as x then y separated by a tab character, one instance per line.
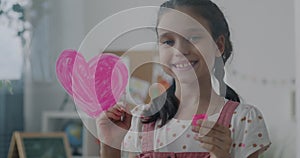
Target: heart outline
81	79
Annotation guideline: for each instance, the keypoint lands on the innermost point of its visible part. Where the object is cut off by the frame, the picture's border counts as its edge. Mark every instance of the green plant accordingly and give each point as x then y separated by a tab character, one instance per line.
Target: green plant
7	84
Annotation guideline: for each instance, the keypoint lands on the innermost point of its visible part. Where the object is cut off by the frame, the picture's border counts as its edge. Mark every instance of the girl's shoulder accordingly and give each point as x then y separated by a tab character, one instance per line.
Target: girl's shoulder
249	130
241	112
246	115
244	109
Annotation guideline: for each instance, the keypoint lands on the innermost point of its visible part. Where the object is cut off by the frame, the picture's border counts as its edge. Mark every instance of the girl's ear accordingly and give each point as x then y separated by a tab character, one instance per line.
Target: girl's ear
220	42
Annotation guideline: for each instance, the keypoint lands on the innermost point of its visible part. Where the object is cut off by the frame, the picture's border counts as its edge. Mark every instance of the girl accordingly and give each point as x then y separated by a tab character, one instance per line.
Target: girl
194	45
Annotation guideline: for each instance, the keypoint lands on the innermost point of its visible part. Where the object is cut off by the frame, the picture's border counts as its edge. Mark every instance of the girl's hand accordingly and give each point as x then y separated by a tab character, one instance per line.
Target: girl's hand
111	127
213	137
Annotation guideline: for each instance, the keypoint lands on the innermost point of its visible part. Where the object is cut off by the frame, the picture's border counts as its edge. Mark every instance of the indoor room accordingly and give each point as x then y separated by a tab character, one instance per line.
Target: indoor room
49	109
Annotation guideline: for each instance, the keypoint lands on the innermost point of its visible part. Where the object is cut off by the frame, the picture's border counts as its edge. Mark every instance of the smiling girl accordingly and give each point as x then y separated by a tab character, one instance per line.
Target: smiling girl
194	44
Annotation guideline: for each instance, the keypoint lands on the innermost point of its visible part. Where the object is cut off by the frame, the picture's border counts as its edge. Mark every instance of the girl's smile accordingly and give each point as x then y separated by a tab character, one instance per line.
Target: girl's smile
184	65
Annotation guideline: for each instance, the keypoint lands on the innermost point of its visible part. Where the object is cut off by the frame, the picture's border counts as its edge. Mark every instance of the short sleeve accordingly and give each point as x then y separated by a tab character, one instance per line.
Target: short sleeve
132	140
249	131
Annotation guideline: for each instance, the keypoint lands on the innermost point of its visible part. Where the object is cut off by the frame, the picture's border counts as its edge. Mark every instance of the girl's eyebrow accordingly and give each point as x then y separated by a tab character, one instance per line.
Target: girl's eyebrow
167	32
196	30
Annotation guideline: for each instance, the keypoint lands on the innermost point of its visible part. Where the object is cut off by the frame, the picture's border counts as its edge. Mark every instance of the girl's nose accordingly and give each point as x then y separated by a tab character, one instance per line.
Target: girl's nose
183	47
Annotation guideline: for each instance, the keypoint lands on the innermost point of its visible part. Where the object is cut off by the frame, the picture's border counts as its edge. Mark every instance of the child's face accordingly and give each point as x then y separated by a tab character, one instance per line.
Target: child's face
185	45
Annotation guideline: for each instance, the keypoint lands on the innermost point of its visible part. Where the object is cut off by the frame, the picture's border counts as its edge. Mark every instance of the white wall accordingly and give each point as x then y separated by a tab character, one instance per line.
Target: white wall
297	41
264	47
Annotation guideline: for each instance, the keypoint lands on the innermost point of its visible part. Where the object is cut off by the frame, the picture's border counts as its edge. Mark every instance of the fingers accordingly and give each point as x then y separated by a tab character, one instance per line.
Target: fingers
216	150
124	108
210	143
213	137
213	133
115	113
210	127
216	138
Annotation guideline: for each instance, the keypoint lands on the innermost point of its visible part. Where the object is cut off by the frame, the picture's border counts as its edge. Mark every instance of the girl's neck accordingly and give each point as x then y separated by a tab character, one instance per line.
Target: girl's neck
195	100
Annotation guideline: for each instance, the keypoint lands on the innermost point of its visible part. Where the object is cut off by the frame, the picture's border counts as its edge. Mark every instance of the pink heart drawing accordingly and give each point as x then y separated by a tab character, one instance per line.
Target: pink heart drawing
95	86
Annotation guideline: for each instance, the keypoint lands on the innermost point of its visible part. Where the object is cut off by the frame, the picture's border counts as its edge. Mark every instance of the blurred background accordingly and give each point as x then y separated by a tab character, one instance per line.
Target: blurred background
33	33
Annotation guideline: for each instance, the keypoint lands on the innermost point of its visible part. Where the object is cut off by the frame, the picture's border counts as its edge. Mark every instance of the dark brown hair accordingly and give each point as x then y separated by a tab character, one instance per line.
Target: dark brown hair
165	108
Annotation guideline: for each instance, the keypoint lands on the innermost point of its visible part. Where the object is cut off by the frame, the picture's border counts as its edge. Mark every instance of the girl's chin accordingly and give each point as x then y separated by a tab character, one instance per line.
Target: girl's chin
188	72
189	77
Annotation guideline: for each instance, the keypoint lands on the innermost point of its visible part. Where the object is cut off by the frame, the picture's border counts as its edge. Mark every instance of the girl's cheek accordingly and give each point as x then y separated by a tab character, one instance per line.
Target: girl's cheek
164	59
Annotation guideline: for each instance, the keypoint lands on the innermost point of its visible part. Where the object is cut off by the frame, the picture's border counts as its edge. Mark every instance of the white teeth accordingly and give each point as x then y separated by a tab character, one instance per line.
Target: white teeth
182	65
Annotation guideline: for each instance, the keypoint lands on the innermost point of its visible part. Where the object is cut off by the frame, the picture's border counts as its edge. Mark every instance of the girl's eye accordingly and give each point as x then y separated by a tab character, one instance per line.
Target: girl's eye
169	42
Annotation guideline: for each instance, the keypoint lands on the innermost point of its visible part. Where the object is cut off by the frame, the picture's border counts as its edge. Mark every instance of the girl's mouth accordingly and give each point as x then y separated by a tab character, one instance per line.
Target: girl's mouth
184	65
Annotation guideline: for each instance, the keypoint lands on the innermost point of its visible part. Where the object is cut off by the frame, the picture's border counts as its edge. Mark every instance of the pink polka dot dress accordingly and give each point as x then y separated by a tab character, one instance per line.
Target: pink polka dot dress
248	131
